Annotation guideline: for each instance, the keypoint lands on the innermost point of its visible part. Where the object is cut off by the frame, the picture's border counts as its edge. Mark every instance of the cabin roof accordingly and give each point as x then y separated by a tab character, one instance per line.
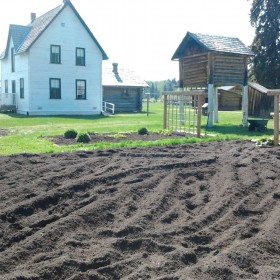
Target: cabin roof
25	36
212	43
258	87
122	78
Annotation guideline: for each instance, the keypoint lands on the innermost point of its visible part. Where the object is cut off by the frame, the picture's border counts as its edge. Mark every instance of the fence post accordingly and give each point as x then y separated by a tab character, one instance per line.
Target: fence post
199	111
164	111
276	120
276	94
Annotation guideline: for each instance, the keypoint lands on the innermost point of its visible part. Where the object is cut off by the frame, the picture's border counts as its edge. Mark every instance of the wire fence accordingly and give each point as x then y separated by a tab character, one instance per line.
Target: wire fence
182	111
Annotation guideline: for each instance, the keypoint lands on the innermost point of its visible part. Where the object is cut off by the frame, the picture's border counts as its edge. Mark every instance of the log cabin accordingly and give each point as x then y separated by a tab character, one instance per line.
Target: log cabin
123	88
210	61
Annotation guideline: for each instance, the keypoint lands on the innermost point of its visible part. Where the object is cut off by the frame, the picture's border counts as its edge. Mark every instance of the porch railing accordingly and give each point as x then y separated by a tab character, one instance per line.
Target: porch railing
108	108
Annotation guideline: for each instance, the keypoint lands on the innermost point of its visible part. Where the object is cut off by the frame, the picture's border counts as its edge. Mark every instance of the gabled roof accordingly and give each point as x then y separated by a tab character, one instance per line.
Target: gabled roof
213	43
25	36
18	33
121	78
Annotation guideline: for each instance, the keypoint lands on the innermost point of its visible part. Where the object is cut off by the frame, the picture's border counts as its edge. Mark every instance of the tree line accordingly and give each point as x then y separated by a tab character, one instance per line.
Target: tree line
265	18
156	87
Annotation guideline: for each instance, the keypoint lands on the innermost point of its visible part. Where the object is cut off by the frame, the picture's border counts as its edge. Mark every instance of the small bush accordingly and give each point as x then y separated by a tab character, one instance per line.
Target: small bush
83	138
142	131
70	134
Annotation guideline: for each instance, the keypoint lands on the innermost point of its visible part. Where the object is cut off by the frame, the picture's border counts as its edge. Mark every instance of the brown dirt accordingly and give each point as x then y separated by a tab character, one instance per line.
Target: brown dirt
192	211
117	137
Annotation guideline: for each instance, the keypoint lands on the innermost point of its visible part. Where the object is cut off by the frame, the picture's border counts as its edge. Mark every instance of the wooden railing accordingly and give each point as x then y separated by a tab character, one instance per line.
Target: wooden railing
108	108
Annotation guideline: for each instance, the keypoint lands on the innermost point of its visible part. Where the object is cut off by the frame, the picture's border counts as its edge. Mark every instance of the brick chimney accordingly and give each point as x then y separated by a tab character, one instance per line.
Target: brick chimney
115	68
33	16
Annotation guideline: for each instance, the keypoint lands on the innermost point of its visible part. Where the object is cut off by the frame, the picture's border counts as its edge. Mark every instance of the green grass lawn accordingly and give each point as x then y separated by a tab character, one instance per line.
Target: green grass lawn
26	133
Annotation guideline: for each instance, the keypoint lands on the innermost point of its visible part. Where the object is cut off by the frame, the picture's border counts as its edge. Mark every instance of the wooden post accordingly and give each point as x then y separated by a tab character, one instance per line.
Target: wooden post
276	94
276	120
199	111
210	104
164	111
245	105
245	94
215	100
210	73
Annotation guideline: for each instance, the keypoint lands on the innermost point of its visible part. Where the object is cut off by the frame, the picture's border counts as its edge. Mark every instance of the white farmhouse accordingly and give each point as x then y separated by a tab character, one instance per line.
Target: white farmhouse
53	65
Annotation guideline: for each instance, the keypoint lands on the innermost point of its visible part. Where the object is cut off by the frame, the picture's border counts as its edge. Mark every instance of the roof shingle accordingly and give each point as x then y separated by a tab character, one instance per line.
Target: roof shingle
122	78
214	43
25	36
37	27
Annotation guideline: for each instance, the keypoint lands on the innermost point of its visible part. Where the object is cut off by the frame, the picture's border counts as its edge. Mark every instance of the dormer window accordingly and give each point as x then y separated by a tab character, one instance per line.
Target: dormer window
80	56
55	54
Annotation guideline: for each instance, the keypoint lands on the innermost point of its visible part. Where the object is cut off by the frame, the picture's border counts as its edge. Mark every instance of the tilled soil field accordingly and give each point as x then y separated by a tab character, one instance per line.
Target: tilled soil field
192	211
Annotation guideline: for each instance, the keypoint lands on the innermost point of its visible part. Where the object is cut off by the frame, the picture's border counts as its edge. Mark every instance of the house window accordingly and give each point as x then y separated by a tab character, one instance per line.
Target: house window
6	86
80	56
80	89
21	88
55	54
13	59
13	86
55	88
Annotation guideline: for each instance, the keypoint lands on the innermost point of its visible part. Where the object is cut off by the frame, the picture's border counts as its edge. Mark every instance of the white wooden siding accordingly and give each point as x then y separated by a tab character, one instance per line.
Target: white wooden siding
68	32
35	67
21	71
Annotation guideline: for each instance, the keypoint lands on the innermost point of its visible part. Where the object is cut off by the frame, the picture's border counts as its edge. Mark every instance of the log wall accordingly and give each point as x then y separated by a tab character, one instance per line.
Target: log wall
194	69
229	101
125	99
228	69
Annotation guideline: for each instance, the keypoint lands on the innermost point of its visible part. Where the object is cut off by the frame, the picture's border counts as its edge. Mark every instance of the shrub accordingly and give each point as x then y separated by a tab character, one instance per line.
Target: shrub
70	134
142	131
83	138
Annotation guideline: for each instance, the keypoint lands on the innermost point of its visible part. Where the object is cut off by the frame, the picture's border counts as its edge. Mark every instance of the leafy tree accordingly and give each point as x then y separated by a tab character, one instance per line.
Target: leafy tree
265	18
156	87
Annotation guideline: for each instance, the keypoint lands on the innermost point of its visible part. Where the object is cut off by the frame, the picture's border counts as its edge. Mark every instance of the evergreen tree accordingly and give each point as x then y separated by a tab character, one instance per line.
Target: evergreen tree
265	18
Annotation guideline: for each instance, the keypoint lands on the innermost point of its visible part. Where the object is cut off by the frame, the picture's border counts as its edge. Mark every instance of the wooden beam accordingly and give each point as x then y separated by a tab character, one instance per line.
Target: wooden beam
187	92
273	92
199	112
276	120
276	94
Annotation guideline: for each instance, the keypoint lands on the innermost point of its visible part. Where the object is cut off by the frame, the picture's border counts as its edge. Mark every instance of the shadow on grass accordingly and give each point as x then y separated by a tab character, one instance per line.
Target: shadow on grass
81	117
237	130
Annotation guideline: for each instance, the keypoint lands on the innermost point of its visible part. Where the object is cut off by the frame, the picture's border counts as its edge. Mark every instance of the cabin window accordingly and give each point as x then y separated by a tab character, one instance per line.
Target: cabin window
80	56
55	54
21	88
55	88
13	59
6	86
13	86
81	89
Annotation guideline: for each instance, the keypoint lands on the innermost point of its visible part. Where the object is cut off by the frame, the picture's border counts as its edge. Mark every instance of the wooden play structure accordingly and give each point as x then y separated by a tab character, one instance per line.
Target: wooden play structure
208	62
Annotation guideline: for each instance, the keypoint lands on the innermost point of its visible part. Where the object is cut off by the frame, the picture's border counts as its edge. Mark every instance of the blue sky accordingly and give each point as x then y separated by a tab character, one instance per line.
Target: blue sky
142	35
